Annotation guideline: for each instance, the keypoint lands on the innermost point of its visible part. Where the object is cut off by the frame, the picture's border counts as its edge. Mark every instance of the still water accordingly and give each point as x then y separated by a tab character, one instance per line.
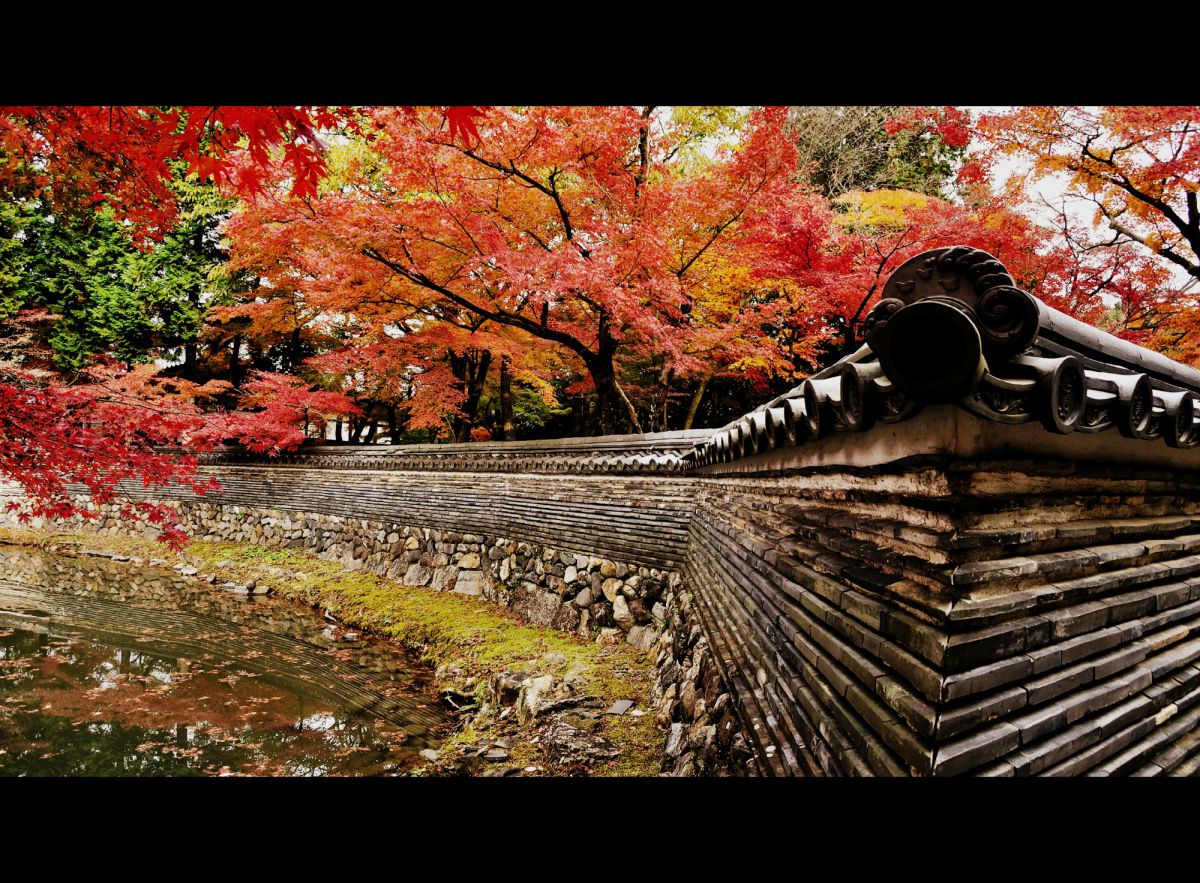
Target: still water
109	670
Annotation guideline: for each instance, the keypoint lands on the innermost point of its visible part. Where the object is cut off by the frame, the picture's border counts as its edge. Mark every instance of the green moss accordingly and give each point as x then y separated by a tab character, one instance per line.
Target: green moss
469	638
124	545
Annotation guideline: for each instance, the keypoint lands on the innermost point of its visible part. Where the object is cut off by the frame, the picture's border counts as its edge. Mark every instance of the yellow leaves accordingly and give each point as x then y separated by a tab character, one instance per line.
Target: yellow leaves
878	208
751	362
349	163
540	385
995	220
722	285
708	120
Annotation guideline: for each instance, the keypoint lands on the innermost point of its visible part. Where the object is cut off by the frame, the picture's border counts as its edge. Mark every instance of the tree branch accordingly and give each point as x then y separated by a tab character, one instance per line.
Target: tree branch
633	417
1168	253
499	316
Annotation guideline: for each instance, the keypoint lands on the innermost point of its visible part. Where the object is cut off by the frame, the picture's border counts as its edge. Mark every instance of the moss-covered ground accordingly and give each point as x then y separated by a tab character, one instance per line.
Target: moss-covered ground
464	639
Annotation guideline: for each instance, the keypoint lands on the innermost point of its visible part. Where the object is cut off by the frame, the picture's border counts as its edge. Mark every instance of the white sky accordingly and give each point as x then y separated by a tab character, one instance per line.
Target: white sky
1052	188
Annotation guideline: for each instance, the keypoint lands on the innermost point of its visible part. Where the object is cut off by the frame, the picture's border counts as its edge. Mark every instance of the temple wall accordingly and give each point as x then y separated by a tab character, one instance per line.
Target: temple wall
960	611
941	596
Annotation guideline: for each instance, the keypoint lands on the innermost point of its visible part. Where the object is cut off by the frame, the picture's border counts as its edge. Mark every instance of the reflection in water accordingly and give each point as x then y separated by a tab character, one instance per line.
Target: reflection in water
107	670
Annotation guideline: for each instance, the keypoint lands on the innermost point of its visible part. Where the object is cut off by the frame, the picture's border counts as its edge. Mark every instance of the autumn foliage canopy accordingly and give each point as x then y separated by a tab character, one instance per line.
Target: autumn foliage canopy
265	275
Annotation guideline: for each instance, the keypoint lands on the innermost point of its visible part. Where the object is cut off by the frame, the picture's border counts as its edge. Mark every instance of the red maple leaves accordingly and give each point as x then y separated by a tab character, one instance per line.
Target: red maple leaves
60	443
462	124
123	156
281	411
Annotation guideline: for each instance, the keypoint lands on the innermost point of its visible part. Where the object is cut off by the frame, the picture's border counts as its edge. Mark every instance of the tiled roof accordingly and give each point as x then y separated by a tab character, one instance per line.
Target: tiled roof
648	452
953	327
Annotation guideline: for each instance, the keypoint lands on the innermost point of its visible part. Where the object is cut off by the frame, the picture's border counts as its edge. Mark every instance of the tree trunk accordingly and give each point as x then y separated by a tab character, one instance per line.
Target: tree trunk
579	419
393	425
695	403
235	361
630	411
614	412
294	350
190	365
664	398
604	379
508	430
478	378
471	368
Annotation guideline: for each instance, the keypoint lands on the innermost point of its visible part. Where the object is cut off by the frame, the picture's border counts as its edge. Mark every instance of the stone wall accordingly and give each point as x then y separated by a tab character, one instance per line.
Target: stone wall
705	735
567	590
570	591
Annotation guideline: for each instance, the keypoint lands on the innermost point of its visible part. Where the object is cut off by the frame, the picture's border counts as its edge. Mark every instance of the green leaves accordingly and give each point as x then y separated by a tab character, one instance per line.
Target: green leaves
113	297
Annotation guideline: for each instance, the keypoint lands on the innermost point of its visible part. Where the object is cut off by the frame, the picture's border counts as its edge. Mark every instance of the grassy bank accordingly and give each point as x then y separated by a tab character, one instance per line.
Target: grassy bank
465	640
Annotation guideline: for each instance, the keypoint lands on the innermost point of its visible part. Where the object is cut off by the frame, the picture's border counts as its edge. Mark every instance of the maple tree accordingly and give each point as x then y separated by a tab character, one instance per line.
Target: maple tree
755	329
839	254
122	157
58	440
581	227
743	336
435	378
286	409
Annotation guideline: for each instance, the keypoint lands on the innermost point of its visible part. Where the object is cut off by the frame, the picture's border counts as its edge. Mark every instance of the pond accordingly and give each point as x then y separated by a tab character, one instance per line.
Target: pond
112	670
